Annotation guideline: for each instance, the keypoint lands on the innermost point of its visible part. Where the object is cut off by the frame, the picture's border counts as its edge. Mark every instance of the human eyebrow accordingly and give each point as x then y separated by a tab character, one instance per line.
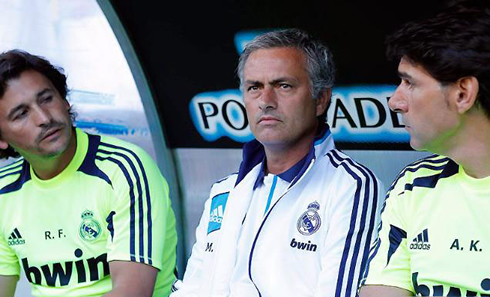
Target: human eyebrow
252	82
281	80
44	92
404	75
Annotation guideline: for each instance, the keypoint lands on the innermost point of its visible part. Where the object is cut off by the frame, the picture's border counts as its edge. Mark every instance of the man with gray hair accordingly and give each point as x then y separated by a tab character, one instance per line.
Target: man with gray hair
298	217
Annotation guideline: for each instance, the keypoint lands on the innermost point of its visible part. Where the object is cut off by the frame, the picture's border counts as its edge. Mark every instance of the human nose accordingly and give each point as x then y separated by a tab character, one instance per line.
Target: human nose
397	102
41	116
268	99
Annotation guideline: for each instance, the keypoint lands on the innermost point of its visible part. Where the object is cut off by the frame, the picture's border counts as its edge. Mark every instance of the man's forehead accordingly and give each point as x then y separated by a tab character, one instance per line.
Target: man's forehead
409	67
406	62
29	78
273	60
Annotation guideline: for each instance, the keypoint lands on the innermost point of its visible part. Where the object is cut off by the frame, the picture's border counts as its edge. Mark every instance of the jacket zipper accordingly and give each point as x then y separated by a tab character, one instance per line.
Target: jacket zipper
263	221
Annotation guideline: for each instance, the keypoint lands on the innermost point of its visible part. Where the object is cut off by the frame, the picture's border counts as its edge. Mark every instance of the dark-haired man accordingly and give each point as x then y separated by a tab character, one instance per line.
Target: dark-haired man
298	217
435	236
80	214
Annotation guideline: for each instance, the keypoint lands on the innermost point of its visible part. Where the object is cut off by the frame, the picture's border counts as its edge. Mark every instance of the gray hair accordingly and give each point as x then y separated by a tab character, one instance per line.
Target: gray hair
319	62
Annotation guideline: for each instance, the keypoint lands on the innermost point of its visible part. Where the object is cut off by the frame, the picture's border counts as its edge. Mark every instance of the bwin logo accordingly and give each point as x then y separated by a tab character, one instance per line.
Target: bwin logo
303	245
64	271
445	290
217	215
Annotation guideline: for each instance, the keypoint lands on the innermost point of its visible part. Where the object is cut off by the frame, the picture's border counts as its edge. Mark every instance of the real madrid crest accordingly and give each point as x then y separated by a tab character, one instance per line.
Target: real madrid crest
309	222
89	228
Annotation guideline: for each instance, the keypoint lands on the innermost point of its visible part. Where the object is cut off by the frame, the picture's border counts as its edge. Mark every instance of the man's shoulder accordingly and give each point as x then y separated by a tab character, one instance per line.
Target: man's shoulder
114	144
340	164
425	172
10	172
424	167
224	184
118	152
108	157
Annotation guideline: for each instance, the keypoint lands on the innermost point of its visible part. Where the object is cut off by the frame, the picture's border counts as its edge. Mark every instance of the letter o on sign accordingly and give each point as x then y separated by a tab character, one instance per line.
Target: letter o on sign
227	109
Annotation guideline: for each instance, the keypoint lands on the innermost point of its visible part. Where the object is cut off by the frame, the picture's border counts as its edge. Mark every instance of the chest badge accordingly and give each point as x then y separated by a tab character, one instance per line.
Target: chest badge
89	228
309	222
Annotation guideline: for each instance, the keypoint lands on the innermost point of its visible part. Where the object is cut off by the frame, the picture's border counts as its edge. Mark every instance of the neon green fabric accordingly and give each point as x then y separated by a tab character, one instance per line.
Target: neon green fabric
435	235
110	203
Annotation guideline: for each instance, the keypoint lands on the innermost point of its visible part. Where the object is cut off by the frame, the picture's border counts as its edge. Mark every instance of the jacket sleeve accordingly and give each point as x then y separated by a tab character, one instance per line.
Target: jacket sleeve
194	273
352	217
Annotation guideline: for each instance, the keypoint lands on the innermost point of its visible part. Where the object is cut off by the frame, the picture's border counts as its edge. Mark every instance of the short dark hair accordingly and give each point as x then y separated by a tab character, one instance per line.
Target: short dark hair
453	44
319	61
13	63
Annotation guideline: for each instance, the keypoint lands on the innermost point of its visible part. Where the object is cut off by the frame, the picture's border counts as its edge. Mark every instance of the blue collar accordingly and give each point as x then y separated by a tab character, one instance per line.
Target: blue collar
254	153
296	170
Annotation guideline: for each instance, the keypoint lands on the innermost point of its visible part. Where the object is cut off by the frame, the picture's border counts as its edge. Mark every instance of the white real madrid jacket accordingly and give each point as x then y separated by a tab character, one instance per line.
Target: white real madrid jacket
313	241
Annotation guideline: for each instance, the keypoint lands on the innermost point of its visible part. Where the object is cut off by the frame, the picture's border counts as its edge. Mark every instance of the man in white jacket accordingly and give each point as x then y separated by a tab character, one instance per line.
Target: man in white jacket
298	217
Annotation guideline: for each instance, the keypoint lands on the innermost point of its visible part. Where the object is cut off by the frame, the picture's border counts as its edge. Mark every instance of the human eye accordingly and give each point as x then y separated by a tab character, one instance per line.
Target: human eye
285	86
253	88
407	83
47	99
20	114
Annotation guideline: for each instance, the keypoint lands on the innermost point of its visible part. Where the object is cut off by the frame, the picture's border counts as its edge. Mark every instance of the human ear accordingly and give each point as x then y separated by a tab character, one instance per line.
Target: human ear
67	104
467	92
3	145
322	101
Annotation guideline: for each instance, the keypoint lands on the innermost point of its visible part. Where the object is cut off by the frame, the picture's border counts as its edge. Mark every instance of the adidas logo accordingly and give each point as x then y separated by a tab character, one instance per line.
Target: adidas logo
217	215
421	242
15	238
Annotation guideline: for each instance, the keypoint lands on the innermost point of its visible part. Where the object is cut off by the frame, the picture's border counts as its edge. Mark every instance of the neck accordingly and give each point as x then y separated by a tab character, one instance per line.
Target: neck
473	149
49	167
280	159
